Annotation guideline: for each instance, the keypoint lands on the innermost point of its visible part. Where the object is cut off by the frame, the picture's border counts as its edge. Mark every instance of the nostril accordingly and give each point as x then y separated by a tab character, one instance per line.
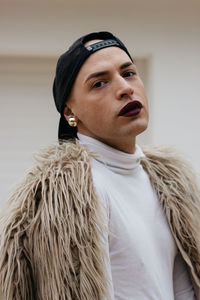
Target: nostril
125	95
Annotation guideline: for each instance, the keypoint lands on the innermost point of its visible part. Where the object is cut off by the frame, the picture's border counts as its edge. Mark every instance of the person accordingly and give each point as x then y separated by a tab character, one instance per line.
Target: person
99	217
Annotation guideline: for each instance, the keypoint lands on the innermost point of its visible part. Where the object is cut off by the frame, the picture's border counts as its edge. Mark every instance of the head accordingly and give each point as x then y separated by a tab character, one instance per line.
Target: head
98	84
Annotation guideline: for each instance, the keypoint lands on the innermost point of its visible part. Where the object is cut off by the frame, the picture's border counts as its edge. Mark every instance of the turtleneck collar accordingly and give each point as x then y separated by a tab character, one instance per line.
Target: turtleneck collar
116	160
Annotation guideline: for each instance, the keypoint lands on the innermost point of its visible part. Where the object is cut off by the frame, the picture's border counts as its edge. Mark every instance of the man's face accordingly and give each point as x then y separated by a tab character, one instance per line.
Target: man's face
106	83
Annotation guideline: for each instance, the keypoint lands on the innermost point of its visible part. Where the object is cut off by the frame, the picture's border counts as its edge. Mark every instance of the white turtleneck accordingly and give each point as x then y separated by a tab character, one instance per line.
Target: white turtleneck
143	261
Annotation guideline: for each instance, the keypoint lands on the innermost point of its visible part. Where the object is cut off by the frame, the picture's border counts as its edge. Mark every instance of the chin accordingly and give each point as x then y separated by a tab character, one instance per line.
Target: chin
139	126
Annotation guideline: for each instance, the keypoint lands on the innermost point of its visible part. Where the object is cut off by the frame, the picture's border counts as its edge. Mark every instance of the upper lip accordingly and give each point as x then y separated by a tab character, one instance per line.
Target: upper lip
130	106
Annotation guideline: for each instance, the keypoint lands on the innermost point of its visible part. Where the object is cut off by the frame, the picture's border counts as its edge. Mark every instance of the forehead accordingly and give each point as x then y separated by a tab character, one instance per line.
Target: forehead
104	59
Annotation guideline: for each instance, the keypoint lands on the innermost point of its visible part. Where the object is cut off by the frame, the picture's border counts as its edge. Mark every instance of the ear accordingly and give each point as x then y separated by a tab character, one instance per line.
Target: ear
67	112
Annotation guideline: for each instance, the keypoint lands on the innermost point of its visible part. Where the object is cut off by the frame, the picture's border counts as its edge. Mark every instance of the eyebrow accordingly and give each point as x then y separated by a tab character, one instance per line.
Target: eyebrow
102	73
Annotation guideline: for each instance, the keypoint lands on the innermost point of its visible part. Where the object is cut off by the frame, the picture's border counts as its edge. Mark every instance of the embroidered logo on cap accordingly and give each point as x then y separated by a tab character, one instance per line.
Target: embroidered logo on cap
102	44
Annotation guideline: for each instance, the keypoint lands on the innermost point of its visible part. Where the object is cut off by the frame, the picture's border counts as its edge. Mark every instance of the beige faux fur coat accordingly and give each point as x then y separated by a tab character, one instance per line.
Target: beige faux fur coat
50	245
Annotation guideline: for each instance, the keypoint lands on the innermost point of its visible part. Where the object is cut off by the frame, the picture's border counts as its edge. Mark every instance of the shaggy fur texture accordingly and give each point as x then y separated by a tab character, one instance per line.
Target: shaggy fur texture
50	246
175	182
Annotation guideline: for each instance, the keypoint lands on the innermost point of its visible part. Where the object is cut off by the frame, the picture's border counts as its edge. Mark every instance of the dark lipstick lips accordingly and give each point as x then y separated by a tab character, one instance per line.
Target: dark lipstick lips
131	109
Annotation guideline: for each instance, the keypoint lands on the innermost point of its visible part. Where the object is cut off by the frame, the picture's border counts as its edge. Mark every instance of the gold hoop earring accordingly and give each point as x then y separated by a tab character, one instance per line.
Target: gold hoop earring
72	121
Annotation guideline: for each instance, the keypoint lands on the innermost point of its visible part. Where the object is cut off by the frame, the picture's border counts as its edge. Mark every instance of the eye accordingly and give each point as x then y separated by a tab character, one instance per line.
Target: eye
98	84
129	74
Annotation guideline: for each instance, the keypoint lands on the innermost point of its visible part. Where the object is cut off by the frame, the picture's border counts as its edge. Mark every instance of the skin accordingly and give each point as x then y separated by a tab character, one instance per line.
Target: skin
96	99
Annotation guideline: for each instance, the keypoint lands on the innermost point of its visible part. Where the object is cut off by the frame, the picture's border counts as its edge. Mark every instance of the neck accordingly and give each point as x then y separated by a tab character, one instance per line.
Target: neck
116	160
125	145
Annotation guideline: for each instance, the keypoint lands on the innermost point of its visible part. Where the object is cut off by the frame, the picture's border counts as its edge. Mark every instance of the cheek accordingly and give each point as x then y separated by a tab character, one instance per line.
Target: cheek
141	88
142	92
94	108
95	117
87	114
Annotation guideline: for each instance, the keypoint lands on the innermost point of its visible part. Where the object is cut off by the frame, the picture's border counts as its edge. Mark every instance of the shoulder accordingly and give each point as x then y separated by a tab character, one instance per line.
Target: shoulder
51	162
55	160
163	153
56	167
61	155
169	167
60	181
168	158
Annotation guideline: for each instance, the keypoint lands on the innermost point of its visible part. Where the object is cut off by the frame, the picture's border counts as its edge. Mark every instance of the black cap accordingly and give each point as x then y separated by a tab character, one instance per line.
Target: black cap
68	66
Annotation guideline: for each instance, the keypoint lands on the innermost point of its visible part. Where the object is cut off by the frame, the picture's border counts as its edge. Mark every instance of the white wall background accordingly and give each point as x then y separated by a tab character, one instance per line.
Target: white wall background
33	33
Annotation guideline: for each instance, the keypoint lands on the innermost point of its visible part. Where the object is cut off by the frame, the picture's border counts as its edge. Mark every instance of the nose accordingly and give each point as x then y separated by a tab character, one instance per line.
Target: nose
124	88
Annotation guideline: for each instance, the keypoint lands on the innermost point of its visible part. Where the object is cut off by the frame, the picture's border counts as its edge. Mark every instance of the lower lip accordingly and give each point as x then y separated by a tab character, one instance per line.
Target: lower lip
132	113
